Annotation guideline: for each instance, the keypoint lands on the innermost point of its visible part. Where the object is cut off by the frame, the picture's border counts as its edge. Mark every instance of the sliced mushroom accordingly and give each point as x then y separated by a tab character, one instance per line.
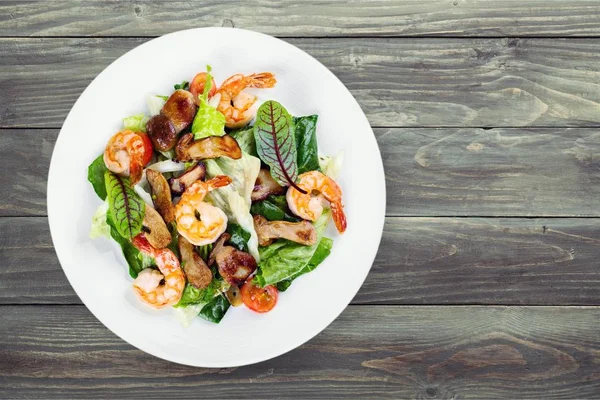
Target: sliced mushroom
162	133
265	186
235	266
217	246
182	182
156	230
211	147
161	195
198	274
180	109
302	232
234	296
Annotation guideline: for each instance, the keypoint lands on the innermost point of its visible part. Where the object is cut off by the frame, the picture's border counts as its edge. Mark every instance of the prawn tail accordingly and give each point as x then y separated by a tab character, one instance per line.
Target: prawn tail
218	181
141	243
135	171
339	218
261	80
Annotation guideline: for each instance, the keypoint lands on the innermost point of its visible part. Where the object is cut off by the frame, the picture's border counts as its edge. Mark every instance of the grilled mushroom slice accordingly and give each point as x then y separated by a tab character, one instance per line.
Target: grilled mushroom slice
302	232
156	230
161	195
265	186
211	147
235	266
217	246
162	133
180	109
196	271
182	182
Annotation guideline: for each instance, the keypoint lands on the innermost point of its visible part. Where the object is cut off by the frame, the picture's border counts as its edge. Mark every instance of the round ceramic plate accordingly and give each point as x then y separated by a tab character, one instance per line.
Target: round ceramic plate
96	269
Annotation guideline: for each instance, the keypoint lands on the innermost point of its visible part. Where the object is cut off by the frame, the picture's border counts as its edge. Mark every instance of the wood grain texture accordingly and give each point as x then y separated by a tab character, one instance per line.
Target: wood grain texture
429	172
368	352
420	261
306	18
398	82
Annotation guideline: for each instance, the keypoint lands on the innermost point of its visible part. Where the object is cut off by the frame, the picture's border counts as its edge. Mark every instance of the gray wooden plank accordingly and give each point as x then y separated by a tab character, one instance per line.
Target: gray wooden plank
420	261
308	18
368	352
429	172
398	82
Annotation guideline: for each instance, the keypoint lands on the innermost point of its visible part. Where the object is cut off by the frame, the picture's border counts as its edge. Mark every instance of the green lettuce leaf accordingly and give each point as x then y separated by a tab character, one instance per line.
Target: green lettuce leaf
273	208
96	172
306	143
99	226
215	310
284	259
135	123
322	252
332	166
156	103
239	237
234	199
208	120
245	139
125	207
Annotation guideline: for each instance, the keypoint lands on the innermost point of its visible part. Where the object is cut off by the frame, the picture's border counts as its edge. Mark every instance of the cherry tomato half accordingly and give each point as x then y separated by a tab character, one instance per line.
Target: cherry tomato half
197	86
147	148
259	299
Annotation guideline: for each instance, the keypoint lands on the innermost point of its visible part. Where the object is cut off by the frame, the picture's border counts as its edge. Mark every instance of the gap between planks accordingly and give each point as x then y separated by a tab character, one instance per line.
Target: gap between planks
358	36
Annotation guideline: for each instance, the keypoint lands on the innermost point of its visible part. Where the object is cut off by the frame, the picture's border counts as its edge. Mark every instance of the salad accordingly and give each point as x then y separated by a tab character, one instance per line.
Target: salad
215	199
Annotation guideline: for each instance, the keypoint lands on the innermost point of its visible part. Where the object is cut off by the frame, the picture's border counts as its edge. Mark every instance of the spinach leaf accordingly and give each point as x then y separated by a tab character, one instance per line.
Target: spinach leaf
185	85
239	237
215	310
125	207
306	143
135	259
245	139
276	143
96	172
273	208
193	296
322	252
284	285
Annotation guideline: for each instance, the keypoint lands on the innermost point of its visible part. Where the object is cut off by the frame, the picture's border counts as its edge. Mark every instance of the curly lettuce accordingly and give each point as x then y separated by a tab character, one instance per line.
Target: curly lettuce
208	120
135	123
234	199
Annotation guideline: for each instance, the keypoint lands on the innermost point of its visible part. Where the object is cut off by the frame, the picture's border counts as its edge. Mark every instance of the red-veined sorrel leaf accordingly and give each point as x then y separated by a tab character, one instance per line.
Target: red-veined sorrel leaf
126	208
276	144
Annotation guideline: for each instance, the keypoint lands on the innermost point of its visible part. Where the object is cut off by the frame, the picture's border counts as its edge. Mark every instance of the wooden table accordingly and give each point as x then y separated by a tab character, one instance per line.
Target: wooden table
487	282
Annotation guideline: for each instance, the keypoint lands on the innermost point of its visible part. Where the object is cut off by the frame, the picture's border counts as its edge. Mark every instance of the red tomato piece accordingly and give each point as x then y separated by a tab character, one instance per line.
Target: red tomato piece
197	86
259	299
147	148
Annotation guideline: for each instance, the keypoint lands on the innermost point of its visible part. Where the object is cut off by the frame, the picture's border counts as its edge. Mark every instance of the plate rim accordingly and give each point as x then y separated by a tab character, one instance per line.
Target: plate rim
292	344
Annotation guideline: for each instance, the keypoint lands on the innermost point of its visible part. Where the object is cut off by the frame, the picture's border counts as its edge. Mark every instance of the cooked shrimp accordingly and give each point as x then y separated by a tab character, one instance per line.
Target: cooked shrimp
198	221
148	285
238	106
124	154
318	187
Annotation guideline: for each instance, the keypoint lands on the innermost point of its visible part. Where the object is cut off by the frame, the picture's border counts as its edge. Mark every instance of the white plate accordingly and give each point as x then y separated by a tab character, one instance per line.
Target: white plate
96	269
